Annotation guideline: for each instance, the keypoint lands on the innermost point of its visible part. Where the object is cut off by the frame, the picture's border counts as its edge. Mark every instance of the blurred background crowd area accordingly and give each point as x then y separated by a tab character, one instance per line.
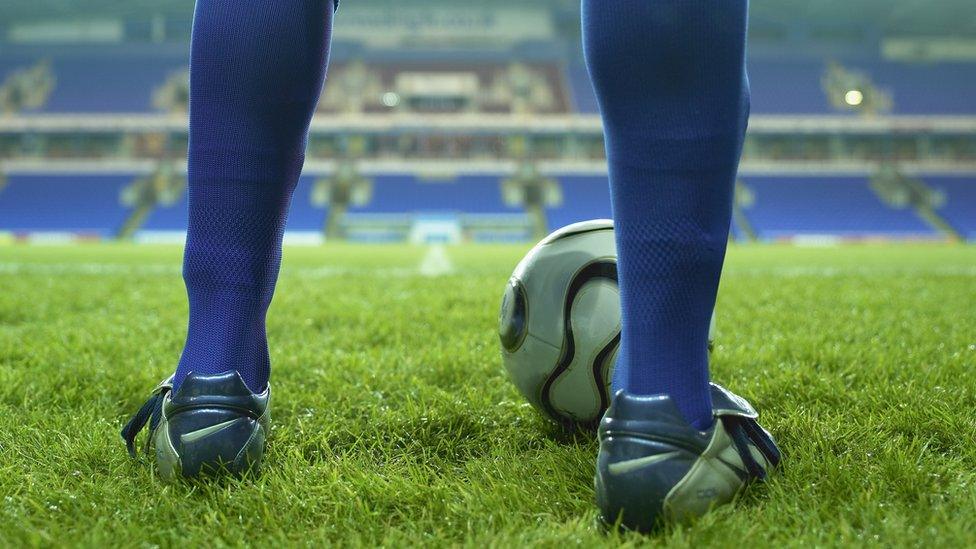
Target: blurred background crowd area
455	122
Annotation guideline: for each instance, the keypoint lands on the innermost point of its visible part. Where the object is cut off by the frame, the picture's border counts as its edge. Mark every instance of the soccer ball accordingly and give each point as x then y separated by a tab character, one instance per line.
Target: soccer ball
559	323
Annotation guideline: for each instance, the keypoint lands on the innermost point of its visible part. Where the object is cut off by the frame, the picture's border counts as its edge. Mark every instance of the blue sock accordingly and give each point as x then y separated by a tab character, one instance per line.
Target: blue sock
670	79
256	71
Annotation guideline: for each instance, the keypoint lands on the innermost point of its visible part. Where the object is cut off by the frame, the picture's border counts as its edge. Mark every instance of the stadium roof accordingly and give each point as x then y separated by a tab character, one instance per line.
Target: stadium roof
899	17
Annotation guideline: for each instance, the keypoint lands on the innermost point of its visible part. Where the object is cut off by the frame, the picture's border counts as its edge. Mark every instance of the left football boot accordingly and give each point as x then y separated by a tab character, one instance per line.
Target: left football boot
211	424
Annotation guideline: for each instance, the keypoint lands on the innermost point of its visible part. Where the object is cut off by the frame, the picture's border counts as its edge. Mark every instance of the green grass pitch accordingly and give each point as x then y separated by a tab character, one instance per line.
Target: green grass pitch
395	425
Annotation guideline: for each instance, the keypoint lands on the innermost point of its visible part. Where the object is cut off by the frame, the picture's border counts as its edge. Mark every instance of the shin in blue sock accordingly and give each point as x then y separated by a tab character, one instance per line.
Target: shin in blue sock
670	80
256	72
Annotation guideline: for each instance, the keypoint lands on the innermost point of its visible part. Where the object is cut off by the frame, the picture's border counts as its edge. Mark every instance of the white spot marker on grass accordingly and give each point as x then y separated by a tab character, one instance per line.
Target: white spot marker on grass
436	262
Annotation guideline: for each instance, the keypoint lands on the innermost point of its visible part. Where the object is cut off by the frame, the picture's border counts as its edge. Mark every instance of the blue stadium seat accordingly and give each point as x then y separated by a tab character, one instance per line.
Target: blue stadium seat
918	88
793	86
960	207
173	217
792	206
472	194
584	197
109	84
583	97
787	87
737	233
303	215
84	204
92	83
10	64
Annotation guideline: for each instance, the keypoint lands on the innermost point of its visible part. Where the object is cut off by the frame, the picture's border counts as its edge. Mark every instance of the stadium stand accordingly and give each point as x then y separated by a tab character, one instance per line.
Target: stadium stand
578	79
470	194
472	86
100	83
790	207
168	217
736	232
304	216
584	197
107	84
89	83
545	77
789	86
913	90
794	86
85	205
960	205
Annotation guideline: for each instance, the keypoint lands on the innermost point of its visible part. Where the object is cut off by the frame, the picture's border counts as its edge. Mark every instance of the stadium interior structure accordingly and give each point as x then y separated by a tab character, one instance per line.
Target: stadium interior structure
444	124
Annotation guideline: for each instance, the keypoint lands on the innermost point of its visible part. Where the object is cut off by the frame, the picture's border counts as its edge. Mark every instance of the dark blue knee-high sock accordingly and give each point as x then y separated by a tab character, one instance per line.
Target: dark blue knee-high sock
670	79
256	71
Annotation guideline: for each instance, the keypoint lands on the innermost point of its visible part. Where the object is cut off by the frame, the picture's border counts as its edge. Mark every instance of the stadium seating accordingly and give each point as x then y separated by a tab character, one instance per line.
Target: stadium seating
470	194
82	204
916	88
168	218
788	207
960	206
737	233
785	207
90	82
302	217
787	87
100	84
97	83
793	86
583	97
584	197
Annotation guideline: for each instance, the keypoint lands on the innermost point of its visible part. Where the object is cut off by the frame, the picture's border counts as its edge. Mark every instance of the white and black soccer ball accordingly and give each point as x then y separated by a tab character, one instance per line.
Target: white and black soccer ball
559	323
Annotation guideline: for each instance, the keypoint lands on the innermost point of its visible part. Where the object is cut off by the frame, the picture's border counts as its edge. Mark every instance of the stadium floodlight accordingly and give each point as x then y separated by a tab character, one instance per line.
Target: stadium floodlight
854	98
852	90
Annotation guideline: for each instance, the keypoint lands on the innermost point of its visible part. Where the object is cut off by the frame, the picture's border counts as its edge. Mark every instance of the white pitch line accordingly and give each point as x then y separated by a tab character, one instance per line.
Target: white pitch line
435	262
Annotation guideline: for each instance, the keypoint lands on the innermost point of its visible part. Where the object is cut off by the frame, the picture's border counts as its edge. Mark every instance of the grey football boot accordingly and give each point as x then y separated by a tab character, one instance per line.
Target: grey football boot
212	424
654	466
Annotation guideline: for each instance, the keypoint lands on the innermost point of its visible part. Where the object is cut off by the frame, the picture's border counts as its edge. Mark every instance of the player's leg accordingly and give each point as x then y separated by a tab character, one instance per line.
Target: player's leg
256	72
670	79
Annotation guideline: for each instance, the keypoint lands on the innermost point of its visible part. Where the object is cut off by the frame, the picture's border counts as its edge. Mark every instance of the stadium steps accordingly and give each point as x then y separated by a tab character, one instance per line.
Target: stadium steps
790	207
959	209
937	222
145	194
908	193
137	218
741	227
86	205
